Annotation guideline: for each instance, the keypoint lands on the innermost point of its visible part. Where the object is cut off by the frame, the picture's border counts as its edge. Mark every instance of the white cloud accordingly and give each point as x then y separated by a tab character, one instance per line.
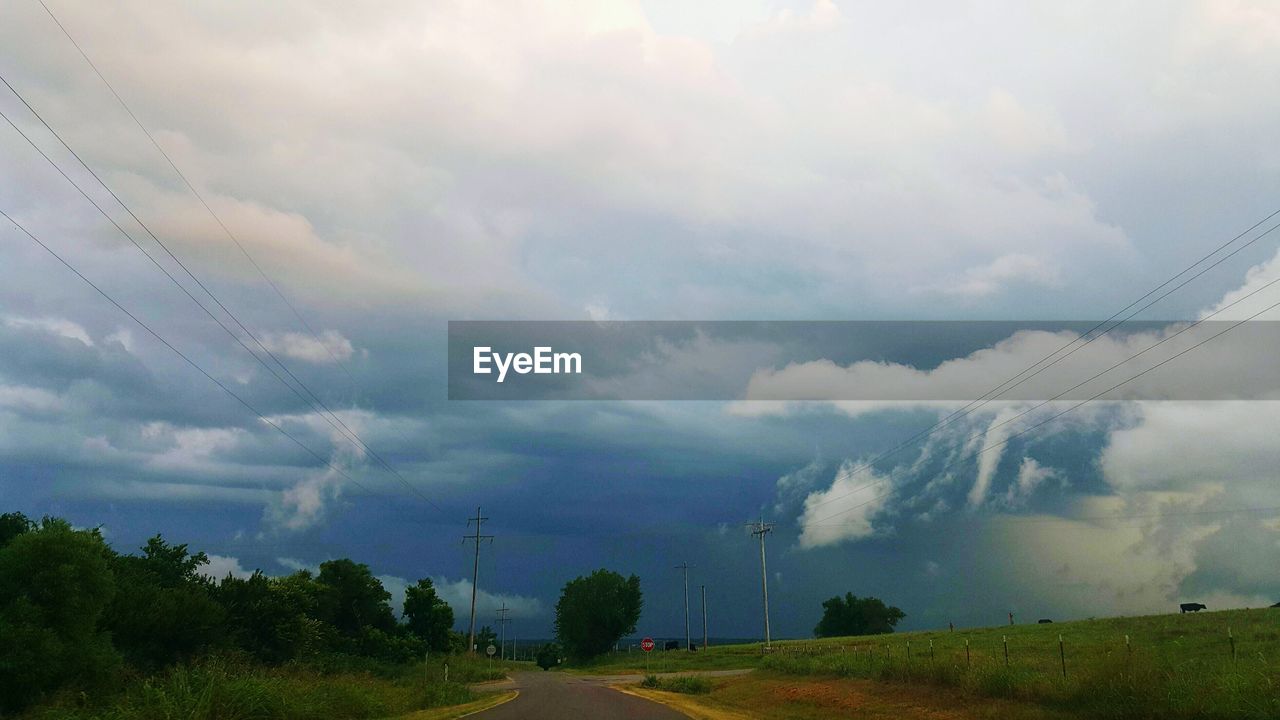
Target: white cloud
1031	475
847	509
53	325
1180	361
304	505
294	565
220	566
19	397
999	274
458	594
327	348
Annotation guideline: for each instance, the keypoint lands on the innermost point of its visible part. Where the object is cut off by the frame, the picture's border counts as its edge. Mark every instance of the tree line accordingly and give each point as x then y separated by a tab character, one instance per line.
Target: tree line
75	614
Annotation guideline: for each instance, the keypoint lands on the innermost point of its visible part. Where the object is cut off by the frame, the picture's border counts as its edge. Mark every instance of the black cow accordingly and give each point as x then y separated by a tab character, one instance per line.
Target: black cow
1044	621
693	647
671	645
1192	607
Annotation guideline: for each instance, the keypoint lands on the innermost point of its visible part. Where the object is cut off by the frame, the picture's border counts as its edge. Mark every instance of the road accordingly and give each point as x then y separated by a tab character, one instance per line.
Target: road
557	696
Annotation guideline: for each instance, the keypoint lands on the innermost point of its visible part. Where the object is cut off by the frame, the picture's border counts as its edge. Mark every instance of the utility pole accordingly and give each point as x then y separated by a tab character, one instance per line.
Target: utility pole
704	617
685	567
502	623
477	538
763	528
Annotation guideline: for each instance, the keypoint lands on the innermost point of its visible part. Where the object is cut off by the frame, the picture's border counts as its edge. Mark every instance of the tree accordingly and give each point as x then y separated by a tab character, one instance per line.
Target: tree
164	610
852	615
485	637
353	599
54	586
269	617
12	525
595	611
548	656
427	615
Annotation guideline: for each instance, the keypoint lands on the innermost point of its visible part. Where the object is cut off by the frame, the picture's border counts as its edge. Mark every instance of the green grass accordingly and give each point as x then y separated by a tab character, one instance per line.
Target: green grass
1175	666
685	684
230	689
723	657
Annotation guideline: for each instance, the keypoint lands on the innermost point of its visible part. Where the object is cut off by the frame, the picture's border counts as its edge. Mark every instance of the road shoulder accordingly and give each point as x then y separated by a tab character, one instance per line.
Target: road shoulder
453	712
683	704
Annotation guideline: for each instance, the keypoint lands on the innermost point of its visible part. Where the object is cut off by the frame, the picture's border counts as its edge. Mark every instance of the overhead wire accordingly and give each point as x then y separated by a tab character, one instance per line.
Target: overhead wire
186	358
313	401
1010	438
984	400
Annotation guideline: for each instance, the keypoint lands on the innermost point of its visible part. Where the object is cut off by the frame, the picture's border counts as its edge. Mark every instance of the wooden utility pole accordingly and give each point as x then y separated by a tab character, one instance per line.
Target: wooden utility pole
685	567
704	617
477	538
763	528
502	621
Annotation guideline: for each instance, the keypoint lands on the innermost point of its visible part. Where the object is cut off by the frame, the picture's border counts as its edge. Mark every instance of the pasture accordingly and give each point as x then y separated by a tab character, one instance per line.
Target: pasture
1207	664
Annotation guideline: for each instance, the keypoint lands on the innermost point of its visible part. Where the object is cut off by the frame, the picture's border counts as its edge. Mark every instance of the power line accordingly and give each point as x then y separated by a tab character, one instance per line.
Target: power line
195	192
180	354
938	425
1020	433
314	402
1125	361
970	408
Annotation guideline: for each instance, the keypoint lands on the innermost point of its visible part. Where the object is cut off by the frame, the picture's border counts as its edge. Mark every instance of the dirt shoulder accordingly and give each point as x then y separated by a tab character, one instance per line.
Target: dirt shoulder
761	695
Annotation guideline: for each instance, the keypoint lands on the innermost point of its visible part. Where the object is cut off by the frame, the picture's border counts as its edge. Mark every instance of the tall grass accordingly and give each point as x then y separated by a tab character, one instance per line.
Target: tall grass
230	689
686	684
1140	684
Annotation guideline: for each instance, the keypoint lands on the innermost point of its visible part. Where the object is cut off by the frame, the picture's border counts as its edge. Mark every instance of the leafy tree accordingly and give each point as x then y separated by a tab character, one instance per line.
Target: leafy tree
173	565
271	617
12	525
595	611
852	615
548	656
352	599
427	616
54	586
485	637
164	610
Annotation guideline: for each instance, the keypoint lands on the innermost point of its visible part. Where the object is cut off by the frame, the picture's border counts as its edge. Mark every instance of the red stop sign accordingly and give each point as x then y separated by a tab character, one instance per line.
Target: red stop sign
646	644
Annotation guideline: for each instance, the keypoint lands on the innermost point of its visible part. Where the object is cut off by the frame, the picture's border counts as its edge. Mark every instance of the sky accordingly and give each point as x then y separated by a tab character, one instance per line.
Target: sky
396	166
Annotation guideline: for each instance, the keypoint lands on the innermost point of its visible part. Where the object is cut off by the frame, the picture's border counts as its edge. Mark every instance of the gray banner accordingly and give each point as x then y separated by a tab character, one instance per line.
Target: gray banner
870	361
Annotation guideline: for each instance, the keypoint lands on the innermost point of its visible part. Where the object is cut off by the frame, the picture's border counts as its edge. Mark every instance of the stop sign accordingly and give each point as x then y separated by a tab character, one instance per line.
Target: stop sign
646	644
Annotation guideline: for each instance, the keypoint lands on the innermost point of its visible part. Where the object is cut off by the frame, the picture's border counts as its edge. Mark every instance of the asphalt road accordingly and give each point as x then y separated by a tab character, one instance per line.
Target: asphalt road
561	696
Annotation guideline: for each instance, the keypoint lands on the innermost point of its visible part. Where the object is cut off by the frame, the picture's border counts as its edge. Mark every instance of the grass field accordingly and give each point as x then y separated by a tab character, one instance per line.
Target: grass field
225	688
1174	666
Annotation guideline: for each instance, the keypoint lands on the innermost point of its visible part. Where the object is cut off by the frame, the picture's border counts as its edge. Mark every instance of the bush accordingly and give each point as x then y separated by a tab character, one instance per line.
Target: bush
54	585
685	684
230	689
548	656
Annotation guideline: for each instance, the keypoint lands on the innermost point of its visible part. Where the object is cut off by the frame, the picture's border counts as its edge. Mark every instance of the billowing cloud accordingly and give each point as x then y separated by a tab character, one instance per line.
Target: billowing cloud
220	566
458	594
329	346
845	510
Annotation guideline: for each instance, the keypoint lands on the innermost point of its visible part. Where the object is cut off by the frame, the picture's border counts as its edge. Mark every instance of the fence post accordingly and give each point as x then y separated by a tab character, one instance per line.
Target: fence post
967	664
1062	653
930	651
909	649
1005	638
1232	638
